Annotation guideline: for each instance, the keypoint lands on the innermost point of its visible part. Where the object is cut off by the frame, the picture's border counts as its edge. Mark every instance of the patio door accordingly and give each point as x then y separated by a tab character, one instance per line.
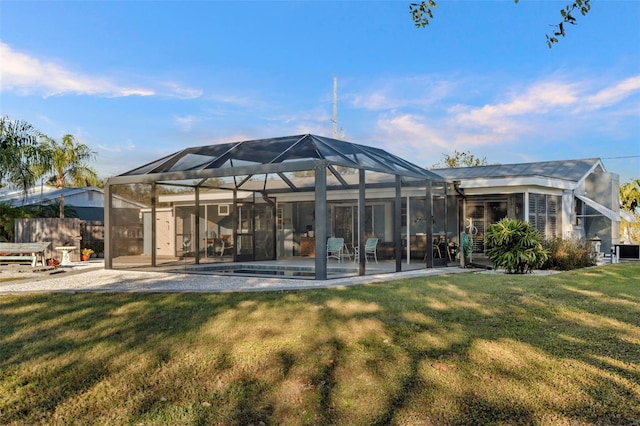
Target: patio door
479	216
244	231
255	231
343	224
265	231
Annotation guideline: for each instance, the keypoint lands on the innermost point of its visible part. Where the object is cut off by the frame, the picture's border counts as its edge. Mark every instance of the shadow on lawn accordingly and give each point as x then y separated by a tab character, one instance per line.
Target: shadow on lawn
71	342
574	316
421	351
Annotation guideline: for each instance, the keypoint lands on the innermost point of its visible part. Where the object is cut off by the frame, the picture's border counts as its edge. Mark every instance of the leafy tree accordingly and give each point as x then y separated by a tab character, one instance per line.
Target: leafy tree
21	153
100	183
515	246
141	192
69	163
422	12
8	214
630	196
630	201
460	159
51	209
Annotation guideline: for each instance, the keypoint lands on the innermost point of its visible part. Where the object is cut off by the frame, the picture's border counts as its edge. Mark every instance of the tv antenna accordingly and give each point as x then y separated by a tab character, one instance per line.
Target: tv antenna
335	107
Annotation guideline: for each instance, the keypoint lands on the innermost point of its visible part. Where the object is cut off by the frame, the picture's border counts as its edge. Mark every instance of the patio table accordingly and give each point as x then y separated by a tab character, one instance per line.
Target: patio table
66	250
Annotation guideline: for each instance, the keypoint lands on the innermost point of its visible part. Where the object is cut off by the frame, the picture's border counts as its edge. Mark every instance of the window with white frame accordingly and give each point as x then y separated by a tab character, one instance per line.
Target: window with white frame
578	208
544	214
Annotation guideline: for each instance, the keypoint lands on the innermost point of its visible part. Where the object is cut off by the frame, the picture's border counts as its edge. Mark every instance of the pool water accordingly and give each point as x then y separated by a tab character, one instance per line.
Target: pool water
263	270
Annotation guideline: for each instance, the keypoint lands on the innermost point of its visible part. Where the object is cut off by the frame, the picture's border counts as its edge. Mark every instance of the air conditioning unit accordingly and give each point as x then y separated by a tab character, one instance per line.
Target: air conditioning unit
628	251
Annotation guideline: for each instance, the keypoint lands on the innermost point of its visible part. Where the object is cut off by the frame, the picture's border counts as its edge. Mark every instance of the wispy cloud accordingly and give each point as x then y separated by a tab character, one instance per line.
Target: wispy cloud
176	90
540	98
395	93
547	107
413	131
310	117
536	110
614	93
128	146
186	122
242	101
27	75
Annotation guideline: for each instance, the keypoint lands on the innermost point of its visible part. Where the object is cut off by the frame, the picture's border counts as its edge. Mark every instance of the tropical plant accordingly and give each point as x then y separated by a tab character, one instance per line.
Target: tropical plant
515	246
69	162
8	214
21	153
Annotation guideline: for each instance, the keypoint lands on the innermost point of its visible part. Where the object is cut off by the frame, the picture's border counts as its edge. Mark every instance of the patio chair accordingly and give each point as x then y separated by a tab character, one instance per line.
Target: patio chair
225	245
370	247
437	254
346	252
334	248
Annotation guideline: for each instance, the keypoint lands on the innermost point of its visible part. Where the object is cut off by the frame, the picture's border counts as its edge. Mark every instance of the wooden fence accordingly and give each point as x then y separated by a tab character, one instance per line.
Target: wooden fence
60	232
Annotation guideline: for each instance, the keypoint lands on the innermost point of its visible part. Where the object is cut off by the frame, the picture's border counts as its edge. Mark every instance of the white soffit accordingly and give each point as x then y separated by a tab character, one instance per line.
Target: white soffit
517	181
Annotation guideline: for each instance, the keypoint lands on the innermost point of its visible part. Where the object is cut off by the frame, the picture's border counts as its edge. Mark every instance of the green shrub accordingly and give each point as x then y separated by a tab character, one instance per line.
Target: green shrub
565	255
515	245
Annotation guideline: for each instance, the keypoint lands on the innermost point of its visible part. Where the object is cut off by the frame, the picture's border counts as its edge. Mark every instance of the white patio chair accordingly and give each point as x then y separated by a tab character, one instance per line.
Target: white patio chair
370	247
345	252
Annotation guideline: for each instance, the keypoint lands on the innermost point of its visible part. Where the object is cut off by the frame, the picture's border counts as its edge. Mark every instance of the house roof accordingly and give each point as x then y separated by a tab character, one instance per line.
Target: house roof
46	194
571	170
276	151
42	194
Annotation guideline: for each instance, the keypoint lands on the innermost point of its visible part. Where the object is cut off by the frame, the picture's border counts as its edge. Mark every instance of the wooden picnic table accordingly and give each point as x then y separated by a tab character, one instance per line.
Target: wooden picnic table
21	252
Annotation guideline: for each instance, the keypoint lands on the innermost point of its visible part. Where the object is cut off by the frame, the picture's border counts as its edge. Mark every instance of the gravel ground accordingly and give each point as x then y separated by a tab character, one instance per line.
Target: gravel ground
92	277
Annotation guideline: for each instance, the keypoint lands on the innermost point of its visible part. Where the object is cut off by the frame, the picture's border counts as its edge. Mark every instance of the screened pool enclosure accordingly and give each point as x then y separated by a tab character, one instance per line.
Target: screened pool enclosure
272	205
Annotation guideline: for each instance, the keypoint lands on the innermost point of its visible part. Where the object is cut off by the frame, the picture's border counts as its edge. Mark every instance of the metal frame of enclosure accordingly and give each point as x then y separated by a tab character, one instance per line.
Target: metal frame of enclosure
264	194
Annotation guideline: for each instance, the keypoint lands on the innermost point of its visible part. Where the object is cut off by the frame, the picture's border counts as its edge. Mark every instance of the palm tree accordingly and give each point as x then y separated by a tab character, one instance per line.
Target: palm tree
21	154
69	163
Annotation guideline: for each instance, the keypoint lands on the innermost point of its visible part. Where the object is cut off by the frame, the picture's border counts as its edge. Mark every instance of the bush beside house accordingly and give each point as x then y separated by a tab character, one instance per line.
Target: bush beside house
515	246
565	255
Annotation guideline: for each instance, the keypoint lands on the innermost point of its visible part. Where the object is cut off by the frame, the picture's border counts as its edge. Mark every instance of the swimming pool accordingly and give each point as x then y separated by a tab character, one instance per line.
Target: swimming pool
284	271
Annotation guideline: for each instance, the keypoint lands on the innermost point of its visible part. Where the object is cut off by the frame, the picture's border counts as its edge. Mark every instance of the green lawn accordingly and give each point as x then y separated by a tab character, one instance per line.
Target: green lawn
456	349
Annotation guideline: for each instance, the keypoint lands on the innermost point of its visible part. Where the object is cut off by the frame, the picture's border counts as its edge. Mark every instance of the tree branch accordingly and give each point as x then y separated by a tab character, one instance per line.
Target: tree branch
422	12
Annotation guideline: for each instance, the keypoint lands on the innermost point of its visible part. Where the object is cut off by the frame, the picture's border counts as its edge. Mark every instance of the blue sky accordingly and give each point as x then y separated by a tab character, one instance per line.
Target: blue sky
137	80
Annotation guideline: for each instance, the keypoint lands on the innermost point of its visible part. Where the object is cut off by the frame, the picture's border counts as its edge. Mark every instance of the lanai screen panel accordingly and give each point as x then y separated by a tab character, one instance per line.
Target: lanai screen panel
282	150
129	226
270	169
